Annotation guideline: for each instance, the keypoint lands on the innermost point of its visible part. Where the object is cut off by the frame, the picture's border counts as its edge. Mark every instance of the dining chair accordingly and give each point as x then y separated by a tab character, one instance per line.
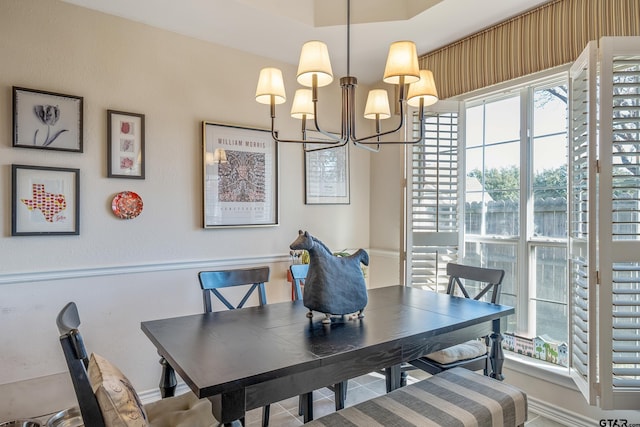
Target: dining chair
212	282
470	282
474	354
105	396
299	274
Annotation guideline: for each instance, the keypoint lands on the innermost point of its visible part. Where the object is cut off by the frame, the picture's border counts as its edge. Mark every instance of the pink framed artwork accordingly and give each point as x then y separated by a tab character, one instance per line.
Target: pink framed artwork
125	145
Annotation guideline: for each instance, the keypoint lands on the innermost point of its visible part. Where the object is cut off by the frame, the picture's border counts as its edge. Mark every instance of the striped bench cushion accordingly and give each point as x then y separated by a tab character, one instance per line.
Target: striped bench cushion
456	397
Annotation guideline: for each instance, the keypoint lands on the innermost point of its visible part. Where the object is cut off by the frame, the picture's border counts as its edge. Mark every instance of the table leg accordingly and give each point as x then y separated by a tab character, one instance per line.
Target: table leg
496	355
168	381
229	407
306	400
393	376
340	394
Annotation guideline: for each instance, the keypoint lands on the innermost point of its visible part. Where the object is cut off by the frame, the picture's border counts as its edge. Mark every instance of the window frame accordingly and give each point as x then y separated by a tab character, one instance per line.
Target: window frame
526	242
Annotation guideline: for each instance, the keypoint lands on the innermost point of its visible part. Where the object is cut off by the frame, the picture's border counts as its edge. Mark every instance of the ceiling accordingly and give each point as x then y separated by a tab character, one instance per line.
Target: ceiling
276	29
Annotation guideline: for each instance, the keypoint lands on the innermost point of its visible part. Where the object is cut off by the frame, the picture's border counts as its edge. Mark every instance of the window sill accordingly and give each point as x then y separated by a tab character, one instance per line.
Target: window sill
558	375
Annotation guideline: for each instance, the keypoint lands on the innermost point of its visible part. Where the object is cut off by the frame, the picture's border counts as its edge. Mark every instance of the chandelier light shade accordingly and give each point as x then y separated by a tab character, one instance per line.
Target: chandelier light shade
314	61
402	62
302	107
270	87
377	106
423	90
314	71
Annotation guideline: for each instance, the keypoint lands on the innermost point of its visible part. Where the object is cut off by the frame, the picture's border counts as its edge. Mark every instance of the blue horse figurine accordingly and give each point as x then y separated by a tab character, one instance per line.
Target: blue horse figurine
334	284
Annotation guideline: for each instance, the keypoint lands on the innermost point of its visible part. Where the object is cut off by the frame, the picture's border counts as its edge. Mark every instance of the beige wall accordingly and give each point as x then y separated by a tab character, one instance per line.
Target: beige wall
121	272
386	214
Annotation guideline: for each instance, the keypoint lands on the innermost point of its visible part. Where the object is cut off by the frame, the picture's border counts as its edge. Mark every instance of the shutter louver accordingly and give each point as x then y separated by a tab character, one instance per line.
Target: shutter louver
434	195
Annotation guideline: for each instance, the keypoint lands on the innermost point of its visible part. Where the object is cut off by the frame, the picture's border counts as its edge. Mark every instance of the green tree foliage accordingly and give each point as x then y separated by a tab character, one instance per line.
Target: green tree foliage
551	183
500	183
504	183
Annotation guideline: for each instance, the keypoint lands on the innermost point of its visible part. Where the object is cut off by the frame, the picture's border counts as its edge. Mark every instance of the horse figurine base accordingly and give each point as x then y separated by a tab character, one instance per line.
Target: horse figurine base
334	285
327	318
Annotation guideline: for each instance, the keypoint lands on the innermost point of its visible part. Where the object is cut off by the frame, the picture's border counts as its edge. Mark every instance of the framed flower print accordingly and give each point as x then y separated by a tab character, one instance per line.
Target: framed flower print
47	120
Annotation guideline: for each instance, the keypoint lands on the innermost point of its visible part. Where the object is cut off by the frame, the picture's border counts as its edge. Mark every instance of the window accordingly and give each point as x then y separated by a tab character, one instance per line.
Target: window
557	207
511	181
516	205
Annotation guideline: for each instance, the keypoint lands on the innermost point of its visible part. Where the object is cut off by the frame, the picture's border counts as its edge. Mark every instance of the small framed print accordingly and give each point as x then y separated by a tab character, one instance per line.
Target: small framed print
240	176
47	120
125	145
44	201
326	173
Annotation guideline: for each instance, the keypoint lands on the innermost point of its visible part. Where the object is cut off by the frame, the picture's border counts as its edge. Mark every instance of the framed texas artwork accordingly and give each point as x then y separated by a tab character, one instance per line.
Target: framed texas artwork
44	200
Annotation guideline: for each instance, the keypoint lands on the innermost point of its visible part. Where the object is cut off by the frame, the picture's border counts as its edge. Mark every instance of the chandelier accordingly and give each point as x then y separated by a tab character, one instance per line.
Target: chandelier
314	71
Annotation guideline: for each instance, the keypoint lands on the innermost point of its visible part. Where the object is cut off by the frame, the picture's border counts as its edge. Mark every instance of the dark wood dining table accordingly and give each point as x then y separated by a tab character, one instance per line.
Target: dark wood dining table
248	358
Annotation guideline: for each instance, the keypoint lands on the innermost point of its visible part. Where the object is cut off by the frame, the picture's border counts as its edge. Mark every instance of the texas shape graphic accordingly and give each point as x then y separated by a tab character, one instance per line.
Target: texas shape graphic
49	204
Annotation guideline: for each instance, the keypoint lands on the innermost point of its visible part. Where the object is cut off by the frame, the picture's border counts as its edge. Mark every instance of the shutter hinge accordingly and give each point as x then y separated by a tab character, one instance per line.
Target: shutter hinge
597	166
597	277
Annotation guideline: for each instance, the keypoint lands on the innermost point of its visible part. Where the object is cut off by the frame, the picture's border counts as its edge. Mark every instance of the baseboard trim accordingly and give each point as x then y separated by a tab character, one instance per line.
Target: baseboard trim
154	394
559	415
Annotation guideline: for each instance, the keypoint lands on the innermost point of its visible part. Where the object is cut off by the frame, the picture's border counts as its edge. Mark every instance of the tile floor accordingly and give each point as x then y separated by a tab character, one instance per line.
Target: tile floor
285	413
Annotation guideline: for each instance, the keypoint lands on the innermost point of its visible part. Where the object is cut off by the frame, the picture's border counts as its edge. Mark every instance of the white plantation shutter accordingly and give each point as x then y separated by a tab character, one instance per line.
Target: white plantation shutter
582	208
619	222
433	195
606	295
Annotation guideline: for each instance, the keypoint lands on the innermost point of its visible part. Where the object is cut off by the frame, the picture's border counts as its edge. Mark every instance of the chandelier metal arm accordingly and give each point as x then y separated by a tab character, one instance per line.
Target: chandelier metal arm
274	134
310	150
420	137
361	142
378	134
367	147
314	98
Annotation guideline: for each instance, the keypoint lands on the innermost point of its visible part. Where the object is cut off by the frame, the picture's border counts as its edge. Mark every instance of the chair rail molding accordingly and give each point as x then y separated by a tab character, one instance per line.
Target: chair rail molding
37	276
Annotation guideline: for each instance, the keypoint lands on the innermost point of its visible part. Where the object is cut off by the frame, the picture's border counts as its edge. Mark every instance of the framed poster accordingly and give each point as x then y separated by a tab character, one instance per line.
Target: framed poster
240	176
44	200
326	173
47	120
125	145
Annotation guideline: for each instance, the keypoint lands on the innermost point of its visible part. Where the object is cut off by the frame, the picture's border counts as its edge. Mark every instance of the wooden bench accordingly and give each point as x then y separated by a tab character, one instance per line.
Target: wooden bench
456	397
